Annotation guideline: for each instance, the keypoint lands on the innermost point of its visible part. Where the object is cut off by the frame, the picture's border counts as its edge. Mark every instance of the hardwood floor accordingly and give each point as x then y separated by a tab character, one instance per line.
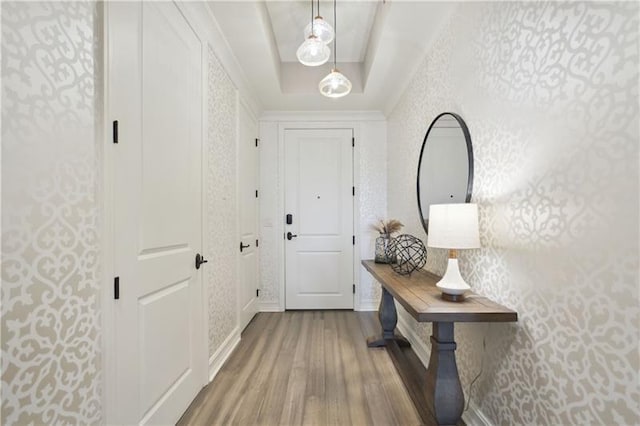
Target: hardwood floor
306	367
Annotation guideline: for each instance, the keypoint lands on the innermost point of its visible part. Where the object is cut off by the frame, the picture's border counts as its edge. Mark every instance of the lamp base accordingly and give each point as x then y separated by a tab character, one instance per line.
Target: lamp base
452	285
452	297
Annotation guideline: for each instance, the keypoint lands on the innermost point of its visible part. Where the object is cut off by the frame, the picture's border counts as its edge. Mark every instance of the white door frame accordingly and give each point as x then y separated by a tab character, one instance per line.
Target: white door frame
282	127
109	399
204	84
104	136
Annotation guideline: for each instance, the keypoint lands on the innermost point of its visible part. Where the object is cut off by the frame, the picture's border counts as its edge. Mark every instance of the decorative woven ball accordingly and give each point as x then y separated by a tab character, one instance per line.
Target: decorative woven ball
409	253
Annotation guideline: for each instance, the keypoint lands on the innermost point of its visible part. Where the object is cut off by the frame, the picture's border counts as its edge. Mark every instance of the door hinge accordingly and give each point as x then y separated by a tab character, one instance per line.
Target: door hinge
116	288
354	289
257	140
257	292
256	193
115	131
256	243
353	141
354	240
353	191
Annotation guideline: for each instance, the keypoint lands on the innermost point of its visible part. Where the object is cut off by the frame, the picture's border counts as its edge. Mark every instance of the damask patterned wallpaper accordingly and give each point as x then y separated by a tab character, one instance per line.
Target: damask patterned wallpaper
51	340
372	198
220	242
549	92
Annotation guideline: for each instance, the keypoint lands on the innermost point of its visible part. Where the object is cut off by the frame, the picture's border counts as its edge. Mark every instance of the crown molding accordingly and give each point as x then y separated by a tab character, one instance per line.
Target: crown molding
311	116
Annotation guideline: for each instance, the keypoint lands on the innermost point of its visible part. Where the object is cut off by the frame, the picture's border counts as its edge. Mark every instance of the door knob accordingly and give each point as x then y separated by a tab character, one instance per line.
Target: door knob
200	260
290	236
242	246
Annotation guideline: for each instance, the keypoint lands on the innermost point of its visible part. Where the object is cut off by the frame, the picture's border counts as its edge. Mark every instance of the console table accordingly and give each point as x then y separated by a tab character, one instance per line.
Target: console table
440	392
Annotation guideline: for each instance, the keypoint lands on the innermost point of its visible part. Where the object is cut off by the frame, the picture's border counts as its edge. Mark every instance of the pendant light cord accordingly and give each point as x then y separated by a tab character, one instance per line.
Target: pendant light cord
335	33
312	17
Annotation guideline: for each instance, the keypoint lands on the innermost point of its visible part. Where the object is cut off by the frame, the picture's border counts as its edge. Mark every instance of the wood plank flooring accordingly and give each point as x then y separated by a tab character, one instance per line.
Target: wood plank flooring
306	367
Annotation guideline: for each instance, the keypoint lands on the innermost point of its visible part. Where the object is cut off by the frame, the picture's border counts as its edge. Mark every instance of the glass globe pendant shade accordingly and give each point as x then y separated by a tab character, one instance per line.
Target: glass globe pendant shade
335	85
313	52
321	29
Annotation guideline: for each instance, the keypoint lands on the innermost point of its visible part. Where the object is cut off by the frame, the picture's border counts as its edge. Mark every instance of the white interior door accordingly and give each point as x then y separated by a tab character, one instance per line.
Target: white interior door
248	199
155	73
319	198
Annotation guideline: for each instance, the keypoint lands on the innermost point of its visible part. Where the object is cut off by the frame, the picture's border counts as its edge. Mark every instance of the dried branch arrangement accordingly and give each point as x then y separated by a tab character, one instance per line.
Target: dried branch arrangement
388	227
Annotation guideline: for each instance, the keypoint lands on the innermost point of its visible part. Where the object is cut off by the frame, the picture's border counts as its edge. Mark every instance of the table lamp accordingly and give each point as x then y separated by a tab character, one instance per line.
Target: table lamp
453	227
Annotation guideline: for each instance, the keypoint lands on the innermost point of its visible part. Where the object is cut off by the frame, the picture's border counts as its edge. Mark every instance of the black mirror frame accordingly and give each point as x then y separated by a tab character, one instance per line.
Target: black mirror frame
467	136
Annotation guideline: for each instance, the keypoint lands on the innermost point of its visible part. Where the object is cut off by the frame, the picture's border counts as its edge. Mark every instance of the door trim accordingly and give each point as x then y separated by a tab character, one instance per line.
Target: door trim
204	225
280	230
109	400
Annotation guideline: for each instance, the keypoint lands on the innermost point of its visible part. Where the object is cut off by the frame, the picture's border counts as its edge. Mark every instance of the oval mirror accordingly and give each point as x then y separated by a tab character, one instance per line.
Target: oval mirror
445	168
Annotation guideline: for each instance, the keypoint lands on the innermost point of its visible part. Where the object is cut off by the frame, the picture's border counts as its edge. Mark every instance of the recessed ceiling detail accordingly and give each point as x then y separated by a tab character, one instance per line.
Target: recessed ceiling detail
379	48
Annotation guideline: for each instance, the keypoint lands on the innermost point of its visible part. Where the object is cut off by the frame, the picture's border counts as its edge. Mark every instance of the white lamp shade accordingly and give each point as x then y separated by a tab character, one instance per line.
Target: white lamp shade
335	85
321	29
453	226
313	52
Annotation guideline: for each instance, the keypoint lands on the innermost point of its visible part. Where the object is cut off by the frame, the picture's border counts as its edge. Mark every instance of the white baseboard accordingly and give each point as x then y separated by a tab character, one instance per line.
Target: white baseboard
269	307
474	417
217	360
368	306
419	347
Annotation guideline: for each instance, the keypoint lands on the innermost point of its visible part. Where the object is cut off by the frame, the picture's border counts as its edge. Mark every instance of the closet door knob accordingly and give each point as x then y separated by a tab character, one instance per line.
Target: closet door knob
200	260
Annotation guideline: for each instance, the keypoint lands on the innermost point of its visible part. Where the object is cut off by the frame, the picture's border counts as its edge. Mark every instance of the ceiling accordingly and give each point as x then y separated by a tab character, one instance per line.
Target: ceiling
379	44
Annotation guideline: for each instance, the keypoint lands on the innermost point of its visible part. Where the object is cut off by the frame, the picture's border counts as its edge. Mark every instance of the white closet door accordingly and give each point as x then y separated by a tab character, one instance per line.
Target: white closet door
155	73
248	200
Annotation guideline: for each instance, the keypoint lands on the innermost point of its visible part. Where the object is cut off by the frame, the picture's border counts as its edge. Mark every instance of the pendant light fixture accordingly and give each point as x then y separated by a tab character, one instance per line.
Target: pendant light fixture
320	28
313	52
336	84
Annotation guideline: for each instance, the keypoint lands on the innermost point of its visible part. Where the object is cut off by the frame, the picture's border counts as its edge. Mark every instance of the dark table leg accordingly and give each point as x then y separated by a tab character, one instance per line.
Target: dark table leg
388	317
443	383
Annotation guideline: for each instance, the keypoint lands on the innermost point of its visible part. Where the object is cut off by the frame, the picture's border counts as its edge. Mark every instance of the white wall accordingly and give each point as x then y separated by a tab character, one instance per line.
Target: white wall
549	92
370	181
51	245
221	191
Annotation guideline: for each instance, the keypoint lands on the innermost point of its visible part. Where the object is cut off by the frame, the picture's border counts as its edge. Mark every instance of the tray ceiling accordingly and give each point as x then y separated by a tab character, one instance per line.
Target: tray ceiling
380	45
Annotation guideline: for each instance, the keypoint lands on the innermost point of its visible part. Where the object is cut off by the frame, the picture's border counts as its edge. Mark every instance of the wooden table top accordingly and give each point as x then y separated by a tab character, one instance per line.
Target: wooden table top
418	294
